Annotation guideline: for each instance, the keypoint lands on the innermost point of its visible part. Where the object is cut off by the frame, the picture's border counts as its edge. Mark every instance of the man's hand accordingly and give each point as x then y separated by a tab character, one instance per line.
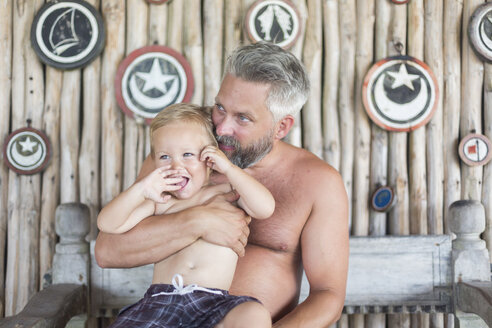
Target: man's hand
222	223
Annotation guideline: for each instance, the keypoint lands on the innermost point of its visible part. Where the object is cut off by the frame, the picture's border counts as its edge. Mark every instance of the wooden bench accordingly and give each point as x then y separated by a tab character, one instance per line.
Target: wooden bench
407	274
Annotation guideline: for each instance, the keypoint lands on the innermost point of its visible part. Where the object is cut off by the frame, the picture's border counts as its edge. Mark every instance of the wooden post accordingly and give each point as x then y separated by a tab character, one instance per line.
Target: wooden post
213	11
5	92
24	191
379	137
470	259
295	135
346	92
417	172
397	155
331	129
452	103
363	61
136	37
471	103
193	46
233	25
112	126
312	57
158	23
487	171
89	145
50	196
175	25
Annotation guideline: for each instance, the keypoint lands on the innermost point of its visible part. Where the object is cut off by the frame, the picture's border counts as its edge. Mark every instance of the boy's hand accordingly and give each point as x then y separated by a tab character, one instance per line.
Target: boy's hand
216	159
158	182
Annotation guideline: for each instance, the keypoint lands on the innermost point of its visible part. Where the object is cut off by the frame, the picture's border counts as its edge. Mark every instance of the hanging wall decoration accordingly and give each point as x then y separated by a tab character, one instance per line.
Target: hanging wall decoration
151	78
475	149
157	2
27	150
383	199
480	31
400	93
400	2
67	34
275	21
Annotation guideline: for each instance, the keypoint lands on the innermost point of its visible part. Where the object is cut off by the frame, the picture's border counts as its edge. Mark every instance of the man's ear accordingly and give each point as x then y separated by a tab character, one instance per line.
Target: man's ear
283	126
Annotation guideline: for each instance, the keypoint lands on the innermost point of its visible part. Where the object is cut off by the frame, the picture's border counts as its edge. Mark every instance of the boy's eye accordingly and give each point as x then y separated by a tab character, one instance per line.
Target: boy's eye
164	157
187	154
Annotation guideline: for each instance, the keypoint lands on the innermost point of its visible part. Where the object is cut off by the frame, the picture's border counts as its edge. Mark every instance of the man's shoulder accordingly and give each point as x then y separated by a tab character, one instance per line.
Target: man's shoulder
304	160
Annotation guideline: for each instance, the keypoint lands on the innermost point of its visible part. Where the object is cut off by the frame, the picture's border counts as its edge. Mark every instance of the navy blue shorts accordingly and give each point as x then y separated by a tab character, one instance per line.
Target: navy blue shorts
199	309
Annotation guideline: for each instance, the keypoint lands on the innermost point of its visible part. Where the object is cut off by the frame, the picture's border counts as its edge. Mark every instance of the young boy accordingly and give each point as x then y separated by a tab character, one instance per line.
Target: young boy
184	150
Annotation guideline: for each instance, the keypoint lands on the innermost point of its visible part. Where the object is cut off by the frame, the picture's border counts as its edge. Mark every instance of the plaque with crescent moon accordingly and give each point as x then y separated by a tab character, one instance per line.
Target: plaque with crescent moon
475	149
27	151
150	79
480	31
399	2
274	21
157	2
67	34
400	93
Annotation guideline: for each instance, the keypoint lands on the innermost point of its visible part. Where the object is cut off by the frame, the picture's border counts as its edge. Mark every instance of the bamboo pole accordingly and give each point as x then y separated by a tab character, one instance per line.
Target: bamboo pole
379	137
331	130
312	56
112	122
5	92
136	37
397	156
295	135
50	196
346	92
193	46
233	25
435	164
175	25
451	102
363	61
471	103
90	136
417	172
213	11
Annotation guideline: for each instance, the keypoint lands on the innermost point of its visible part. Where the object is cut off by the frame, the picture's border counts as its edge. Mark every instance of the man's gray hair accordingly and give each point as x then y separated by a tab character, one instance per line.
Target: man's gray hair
267	63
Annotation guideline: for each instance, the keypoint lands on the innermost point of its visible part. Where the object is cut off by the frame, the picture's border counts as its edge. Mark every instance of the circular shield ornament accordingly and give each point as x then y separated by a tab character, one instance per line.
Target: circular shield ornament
67	34
475	149
480	31
150	79
27	151
275	21
400	2
400	93
383	199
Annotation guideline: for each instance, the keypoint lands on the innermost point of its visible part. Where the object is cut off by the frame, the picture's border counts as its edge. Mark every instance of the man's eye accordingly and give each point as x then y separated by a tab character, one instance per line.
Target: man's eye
243	118
219	107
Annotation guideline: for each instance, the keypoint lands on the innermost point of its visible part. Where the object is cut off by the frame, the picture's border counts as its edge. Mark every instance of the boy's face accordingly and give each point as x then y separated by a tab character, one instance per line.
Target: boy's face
179	145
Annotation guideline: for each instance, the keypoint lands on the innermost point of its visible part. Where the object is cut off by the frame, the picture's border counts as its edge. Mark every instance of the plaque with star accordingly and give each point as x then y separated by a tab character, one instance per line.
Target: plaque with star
399	2
67	34
475	149
275	21
157	2
480	31
400	93
27	151
150	79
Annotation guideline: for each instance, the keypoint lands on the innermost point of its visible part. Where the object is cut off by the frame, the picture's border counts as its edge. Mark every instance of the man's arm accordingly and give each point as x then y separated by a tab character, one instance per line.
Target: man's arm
325	250
157	237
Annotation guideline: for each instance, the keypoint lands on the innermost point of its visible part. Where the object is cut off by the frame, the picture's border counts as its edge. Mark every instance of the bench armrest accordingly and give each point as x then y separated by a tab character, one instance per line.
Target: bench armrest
476	297
51	307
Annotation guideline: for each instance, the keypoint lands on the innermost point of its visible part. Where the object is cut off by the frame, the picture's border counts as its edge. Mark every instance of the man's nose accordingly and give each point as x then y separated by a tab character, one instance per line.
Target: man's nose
224	128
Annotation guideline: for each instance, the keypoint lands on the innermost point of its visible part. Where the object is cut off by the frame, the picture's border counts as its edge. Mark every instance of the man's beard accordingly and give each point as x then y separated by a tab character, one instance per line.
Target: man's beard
249	155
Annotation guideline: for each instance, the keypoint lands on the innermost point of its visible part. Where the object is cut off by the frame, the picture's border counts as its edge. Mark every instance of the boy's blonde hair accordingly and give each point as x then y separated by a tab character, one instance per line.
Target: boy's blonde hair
182	112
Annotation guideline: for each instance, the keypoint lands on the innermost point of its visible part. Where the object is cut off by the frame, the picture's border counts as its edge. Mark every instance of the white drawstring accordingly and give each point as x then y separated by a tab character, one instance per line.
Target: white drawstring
182	290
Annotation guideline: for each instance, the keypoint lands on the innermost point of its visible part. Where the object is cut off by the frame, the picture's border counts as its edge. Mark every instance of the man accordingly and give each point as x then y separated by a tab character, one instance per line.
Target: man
262	89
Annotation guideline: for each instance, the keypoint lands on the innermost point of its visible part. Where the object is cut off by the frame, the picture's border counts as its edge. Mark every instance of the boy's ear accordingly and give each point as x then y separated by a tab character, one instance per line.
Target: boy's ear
283	126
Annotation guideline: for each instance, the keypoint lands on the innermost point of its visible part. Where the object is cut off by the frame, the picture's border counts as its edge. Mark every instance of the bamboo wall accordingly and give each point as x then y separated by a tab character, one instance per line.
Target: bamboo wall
98	151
